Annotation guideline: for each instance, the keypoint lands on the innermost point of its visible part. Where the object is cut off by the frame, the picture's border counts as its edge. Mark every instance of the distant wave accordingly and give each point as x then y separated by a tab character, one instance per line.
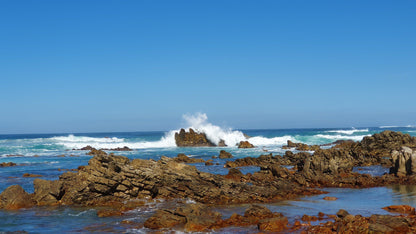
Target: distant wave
77	142
348	132
394	126
341	137
389	126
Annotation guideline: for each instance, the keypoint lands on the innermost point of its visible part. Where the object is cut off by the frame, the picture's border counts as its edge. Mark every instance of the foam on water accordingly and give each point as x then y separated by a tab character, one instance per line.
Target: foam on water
341	137
348	132
75	142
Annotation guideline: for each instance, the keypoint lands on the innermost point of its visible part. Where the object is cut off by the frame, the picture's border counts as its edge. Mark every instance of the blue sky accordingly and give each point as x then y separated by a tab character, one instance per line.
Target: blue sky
88	66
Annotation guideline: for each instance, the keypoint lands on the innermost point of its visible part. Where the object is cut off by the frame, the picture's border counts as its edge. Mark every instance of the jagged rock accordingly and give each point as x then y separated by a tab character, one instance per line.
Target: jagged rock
222	143
31	175
300	146
404	162
225	154
47	192
191	139
196	217
111	178
15	197
185	159
95	152
88	147
403	209
7	164
125	148
245	145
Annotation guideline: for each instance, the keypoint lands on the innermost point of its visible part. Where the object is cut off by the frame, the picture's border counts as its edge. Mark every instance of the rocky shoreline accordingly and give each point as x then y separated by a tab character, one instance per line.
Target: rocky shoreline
120	183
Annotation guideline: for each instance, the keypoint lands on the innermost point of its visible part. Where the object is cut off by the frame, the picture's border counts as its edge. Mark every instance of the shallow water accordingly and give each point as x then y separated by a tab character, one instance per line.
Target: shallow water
46	154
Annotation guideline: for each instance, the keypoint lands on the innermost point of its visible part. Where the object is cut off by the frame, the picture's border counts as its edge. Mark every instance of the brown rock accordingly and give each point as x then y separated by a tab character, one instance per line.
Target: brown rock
88	147
403	209
47	192
196	217
185	159
245	145
95	152
7	164
191	139
330	198
31	175
15	197
276	224
225	154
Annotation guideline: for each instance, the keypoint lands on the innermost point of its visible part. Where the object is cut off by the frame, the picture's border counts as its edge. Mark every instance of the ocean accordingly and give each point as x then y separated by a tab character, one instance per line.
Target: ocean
50	155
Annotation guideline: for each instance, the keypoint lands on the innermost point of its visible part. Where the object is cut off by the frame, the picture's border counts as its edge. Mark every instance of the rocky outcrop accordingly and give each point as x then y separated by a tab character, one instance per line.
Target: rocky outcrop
195	217
7	164
111	178
347	223
182	158
404	162
15	197
245	145
225	154
191	139
300	146
90	148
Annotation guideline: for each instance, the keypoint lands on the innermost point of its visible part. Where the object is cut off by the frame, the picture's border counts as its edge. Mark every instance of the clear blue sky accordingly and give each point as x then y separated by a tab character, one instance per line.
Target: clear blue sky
88	66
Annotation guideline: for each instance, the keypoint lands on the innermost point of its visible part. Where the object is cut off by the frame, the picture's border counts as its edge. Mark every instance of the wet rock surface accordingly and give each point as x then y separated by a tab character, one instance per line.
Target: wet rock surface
346	223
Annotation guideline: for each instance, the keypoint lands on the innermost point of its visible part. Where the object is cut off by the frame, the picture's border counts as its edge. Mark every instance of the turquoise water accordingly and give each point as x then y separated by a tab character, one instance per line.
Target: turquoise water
46	154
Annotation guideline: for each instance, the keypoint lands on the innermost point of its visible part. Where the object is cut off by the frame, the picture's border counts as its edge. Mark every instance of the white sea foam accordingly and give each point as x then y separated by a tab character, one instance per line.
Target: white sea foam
389	126
348	132
341	137
77	142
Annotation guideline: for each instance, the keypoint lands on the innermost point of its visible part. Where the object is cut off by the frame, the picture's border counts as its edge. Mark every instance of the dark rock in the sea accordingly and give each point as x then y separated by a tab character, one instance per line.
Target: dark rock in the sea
88	147
404	162
185	159
342	213
301	146
234	174
402	209
31	175
191	139
15	197
245	145
195	217
7	164
125	148
222	143
209	162
225	154
373	224
95	152
330	198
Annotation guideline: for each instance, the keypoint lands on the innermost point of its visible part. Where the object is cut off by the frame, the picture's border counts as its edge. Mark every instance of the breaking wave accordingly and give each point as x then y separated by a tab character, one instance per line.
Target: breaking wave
348	132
